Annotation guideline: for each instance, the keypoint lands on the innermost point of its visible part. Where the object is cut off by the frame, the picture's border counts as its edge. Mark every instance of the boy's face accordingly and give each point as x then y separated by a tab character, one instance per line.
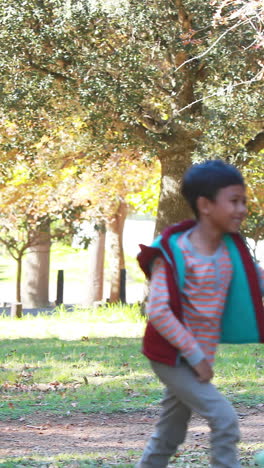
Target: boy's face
228	210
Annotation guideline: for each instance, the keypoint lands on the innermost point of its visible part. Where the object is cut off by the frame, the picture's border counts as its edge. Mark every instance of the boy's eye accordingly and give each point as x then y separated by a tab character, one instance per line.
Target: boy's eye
237	200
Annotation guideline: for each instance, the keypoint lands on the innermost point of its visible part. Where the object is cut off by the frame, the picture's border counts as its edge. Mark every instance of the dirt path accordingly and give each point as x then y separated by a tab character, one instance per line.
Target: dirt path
49	435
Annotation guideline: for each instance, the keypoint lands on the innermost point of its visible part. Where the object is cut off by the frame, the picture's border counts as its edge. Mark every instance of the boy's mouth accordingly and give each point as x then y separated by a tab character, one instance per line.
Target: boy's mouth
238	221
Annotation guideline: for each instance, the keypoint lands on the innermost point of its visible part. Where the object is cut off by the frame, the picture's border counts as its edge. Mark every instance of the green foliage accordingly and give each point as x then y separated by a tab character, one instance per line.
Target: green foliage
254	224
146	200
163	77
127	67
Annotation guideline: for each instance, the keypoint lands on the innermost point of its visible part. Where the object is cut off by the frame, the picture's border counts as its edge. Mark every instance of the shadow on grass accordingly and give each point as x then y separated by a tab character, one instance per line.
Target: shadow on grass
110	349
60	376
102	375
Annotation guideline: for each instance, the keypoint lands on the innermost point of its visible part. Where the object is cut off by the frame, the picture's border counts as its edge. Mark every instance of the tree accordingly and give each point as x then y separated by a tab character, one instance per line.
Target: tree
36	266
113	190
96	251
38	169
56	165
31	215
160	75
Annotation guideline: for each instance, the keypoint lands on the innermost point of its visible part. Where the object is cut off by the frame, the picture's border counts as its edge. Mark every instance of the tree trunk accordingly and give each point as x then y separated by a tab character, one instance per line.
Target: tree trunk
172	207
16	307
96	267
174	161
37	263
18	279
115	228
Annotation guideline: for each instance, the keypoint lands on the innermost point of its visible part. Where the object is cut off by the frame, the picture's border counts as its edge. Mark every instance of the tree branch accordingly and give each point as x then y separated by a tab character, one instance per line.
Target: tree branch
197	57
184	17
56	75
227	89
256	144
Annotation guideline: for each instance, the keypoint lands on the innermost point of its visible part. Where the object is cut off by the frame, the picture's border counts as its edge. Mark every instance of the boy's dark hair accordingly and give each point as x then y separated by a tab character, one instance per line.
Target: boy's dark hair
206	179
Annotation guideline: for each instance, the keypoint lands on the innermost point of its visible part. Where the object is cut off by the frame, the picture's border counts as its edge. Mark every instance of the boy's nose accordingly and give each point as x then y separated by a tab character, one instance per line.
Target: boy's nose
243	209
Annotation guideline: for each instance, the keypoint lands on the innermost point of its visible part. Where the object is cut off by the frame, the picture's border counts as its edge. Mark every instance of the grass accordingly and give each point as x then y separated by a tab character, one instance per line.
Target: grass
92	358
192	458
186	458
239	373
89	361
7	267
89	358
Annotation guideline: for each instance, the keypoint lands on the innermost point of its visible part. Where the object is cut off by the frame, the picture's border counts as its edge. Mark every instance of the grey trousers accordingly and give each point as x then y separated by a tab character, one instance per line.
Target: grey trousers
185	394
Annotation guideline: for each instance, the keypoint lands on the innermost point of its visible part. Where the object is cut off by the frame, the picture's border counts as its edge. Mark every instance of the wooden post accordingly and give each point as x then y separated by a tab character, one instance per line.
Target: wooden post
60	284
123	285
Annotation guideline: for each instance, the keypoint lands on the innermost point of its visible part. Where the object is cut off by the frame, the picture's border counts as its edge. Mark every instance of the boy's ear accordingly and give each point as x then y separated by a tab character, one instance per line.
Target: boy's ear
203	205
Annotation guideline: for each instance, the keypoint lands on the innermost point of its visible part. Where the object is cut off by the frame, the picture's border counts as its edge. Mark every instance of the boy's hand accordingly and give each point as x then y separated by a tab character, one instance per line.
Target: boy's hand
204	371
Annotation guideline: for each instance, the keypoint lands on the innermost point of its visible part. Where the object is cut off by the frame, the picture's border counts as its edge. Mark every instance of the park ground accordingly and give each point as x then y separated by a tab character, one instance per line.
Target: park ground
102	439
115	437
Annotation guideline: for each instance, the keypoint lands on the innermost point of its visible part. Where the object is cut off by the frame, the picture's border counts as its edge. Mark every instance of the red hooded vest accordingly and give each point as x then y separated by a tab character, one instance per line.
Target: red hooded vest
157	348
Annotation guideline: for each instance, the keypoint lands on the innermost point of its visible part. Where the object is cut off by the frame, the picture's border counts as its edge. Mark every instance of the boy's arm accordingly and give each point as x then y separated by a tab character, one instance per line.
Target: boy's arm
164	320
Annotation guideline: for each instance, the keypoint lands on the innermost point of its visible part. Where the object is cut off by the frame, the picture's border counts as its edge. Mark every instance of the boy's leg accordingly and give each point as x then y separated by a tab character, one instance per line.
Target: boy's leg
205	399
170	432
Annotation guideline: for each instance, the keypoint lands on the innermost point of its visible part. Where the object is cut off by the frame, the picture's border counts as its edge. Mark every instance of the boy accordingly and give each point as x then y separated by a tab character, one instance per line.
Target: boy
204	289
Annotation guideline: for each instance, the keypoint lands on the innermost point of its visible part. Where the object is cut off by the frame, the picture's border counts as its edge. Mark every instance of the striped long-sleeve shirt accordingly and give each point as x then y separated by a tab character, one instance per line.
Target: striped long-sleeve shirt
207	280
